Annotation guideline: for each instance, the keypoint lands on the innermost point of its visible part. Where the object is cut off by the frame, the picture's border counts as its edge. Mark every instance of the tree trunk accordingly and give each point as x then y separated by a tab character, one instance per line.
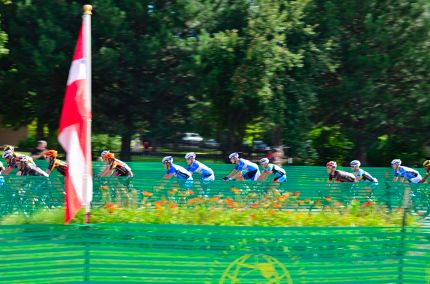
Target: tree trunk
39	130
125	147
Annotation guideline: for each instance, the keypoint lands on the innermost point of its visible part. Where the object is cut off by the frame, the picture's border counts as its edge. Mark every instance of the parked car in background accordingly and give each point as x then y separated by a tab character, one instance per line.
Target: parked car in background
192	138
259	146
211	143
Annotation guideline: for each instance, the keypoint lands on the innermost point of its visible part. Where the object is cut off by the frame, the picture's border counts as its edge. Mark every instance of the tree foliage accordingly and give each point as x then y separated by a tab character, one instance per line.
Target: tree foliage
331	79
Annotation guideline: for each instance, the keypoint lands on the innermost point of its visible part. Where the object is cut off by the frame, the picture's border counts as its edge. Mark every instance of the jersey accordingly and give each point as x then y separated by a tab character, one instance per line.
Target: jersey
200	168
366	176
408	173
278	172
341	176
179	172
245	165
32	170
120	168
61	166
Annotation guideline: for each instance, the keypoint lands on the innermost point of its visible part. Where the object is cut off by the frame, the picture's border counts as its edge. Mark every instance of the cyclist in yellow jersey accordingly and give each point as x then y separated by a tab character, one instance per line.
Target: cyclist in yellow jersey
54	163
426	165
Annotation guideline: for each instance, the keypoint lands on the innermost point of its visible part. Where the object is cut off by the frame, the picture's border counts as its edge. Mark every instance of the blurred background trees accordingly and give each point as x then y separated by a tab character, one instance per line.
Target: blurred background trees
330	79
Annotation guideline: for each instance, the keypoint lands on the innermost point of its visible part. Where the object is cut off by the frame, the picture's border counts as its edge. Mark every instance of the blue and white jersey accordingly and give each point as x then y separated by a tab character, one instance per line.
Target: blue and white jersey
200	168
179	172
366	176
277	171
245	165
407	173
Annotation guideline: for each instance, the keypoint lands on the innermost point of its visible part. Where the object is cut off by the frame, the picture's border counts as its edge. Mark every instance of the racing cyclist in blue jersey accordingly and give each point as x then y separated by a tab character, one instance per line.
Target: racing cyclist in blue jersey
206	173
278	172
403	172
361	174
244	170
184	177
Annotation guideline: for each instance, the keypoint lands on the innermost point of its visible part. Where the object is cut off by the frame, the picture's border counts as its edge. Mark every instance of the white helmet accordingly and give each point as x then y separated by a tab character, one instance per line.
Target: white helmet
104	153
264	161
7	153
233	155
23	159
396	162
190	155
167	159
355	163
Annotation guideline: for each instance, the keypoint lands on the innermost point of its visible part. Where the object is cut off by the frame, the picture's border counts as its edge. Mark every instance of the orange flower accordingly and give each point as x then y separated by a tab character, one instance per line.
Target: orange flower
235	190
173	205
296	193
157	205
216	198
337	203
328	198
192	201
111	207
253	216
276	205
367	204
147	193
254	205
104	187
173	191
189	192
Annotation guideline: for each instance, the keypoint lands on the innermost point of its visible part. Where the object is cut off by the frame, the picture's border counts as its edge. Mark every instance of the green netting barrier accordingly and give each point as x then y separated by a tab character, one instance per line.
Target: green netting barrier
306	189
135	253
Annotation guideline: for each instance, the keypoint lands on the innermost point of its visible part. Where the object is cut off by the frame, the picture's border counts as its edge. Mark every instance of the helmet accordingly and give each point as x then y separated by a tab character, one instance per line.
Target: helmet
51	153
264	161
8	147
426	163
104	153
190	155
396	162
23	159
7	153
355	163
331	164
233	155
167	159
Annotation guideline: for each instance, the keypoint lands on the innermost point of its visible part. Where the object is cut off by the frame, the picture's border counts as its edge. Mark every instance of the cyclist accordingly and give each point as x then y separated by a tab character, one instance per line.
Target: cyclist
338	175
268	168
27	168
411	175
206	173
1	175
114	167
184	177
10	156
54	163
250	169
426	165
361	174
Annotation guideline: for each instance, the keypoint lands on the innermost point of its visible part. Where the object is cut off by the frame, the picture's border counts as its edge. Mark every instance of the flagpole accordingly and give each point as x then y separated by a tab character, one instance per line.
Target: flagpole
87	58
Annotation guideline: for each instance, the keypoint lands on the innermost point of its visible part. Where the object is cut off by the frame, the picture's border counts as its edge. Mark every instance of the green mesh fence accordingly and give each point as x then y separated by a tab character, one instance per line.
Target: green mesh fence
127	253
306	189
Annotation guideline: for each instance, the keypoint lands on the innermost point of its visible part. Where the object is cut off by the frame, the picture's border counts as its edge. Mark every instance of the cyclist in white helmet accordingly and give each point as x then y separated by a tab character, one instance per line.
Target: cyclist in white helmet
403	172
268	168
244	170
10	156
184	177
206	173
361	174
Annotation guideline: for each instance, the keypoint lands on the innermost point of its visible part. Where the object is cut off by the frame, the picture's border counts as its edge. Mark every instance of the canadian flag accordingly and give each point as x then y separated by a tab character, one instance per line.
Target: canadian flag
74	134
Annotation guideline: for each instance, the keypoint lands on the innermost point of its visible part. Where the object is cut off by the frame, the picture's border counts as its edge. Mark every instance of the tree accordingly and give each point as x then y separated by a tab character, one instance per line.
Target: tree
382	53
243	63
